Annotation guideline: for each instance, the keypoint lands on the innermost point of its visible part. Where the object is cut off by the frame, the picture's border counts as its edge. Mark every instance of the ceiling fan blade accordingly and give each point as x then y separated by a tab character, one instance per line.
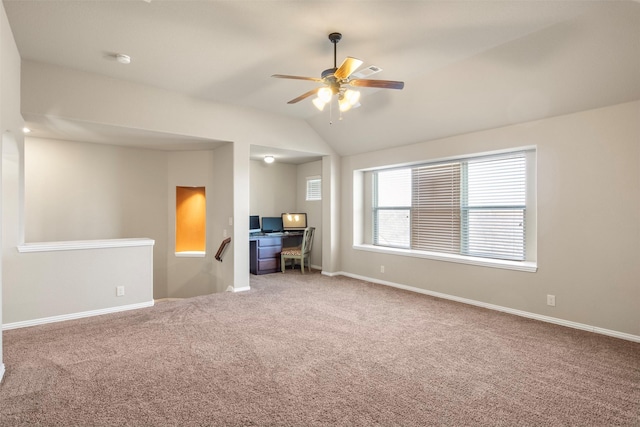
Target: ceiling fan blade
284	76
382	84
348	66
304	95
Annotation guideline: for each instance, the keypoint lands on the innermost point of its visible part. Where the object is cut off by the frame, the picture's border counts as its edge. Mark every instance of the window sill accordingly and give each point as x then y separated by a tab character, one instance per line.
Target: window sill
528	266
191	254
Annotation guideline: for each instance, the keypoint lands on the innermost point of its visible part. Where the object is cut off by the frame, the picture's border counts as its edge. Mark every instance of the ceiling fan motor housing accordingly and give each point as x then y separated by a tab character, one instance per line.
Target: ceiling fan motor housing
329	72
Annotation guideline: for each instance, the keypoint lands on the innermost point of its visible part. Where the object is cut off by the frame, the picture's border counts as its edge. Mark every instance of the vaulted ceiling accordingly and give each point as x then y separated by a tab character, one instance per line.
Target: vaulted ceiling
467	65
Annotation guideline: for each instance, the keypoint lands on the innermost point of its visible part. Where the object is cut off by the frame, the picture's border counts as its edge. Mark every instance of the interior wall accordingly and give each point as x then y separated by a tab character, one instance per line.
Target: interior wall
64	284
83	191
272	188
332	231
313	208
222	224
192	276
588	221
11	123
61	94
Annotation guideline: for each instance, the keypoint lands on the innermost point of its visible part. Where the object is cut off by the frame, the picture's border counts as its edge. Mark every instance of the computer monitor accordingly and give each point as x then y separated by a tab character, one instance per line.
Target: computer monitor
294	221
254	224
272	224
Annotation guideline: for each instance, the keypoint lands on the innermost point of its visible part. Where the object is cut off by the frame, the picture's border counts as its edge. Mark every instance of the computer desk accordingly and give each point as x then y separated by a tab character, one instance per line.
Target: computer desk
265	248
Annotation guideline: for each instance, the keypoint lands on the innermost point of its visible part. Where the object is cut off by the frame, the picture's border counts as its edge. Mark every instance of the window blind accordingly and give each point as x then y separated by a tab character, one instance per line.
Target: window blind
435	213
314	188
474	206
494	207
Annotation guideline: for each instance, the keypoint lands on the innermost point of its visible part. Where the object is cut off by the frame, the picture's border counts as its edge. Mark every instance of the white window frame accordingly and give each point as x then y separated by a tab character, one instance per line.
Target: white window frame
363	207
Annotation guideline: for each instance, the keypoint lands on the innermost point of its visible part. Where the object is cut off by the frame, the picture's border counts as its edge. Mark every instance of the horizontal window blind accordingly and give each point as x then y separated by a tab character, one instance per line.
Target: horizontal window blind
314	188
435	208
494	207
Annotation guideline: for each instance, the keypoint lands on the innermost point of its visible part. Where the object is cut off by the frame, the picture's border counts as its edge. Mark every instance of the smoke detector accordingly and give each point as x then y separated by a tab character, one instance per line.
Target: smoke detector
122	58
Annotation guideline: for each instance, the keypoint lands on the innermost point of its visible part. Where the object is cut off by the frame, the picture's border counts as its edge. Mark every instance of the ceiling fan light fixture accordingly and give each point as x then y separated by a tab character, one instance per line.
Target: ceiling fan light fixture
319	103
325	94
352	96
348	99
343	104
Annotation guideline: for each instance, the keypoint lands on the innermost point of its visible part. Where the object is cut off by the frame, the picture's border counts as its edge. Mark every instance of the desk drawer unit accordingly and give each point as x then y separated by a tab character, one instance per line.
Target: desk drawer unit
265	255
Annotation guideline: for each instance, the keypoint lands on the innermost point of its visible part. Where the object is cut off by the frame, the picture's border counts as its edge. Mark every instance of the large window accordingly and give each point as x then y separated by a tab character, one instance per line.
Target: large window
474	207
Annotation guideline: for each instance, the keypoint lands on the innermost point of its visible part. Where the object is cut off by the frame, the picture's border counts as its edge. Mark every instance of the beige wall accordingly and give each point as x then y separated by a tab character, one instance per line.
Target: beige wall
272	188
312	208
588	169
63	284
10	129
81	191
62	94
332	231
192	276
221	211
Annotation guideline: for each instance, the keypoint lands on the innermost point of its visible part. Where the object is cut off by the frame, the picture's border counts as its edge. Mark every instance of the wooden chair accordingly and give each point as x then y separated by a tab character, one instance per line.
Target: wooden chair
301	252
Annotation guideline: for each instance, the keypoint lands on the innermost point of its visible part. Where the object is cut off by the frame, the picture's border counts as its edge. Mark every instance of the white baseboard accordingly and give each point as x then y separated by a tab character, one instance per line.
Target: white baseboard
242	289
71	316
1	371
535	316
167	300
339	273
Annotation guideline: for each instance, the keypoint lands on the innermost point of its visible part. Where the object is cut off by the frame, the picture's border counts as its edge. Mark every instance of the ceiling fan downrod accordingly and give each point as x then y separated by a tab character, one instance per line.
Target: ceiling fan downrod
335	38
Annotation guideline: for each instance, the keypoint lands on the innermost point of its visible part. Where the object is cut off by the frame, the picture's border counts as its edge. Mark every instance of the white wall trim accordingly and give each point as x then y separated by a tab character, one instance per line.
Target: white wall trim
535	316
242	289
1	371
157	300
83	244
72	316
330	274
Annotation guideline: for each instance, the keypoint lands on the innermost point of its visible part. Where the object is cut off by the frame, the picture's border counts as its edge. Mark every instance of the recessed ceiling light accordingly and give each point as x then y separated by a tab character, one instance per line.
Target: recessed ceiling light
26	130
122	58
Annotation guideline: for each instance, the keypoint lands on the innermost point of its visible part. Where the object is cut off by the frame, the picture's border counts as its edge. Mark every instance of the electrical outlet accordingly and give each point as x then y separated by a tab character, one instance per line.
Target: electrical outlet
551	300
119	291
382	269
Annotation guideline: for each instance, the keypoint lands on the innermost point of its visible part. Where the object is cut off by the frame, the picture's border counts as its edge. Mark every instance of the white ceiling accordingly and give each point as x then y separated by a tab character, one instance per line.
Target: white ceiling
467	65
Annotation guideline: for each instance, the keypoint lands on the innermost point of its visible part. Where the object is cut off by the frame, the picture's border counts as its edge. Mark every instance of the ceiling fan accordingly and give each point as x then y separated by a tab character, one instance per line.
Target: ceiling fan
337	79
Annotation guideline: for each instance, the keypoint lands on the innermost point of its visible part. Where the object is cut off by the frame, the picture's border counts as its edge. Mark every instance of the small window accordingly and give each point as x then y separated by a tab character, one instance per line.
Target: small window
314	188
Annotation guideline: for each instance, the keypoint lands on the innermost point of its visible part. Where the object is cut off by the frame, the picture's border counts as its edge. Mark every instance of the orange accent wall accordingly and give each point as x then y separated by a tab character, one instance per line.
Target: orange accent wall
191	212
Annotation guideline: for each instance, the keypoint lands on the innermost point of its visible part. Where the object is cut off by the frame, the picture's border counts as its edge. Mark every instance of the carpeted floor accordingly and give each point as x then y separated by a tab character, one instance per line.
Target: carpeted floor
316	351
